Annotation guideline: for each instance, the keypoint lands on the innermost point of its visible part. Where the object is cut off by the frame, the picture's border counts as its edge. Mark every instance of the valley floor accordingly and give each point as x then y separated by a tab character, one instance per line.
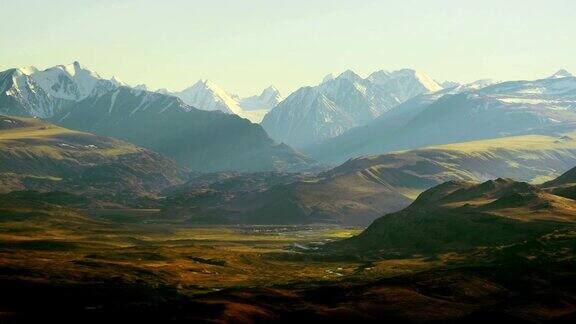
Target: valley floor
130	265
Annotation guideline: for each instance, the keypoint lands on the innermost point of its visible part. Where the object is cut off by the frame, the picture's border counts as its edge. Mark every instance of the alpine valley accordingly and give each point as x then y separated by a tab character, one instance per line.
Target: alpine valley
79	99
389	197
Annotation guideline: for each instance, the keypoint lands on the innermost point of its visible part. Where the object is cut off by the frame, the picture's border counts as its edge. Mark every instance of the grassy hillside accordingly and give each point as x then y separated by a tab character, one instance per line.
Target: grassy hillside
38	155
459	216
531	158
362	189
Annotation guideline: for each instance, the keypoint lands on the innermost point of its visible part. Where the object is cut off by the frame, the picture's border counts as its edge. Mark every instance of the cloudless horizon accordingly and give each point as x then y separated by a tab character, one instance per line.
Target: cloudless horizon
245	46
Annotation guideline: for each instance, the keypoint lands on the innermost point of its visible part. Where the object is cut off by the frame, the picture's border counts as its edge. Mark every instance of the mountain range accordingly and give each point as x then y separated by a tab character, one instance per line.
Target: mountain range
405	135
207	95
44	93
197	139
314	114
462	113
80	99
364	188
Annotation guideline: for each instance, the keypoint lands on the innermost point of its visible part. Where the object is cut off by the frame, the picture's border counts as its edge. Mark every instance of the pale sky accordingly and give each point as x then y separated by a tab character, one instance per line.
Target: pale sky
246	45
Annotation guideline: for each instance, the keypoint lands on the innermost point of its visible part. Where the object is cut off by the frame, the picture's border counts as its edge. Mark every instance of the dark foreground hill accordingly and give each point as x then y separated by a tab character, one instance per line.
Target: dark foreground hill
461	216
59	265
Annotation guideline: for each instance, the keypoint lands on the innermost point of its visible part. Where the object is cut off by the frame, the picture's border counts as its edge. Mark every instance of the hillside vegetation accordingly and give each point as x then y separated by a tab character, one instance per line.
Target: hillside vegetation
37	155
459	216
365	188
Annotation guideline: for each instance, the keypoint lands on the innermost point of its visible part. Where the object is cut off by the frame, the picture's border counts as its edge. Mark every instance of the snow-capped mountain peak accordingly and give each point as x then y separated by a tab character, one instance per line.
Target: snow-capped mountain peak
29	70
271	95
328	78
311	115
426	80
255	107
43	92
270	88
143	87
71	69
562	73
405	75
349	75
448	84
405	83
73	82
207	95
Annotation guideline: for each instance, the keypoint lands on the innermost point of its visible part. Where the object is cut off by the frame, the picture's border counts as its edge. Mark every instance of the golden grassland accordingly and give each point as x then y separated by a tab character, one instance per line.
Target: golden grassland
232	273
527	144
523	142
195	259
43	138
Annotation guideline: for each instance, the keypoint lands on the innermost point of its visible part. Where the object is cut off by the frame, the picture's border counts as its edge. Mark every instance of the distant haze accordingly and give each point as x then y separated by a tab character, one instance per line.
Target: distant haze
247	45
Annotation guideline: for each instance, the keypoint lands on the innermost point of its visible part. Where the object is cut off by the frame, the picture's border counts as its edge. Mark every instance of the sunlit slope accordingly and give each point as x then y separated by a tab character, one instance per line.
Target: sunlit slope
532	158
38	155
365	188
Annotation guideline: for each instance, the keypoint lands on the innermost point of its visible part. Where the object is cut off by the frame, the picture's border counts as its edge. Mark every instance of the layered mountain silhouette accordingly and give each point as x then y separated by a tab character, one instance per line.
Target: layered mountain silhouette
461	113
362	189
80	99
312	115
207	95
197	139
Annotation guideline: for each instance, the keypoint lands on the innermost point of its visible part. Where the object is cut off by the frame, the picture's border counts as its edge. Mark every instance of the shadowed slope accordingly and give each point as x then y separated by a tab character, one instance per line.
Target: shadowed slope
459	216
199	140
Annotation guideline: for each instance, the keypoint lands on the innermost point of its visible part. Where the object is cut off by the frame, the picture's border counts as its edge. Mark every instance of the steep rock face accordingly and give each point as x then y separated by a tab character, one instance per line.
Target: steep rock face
199	140
20	95
314	114
73	82
32	92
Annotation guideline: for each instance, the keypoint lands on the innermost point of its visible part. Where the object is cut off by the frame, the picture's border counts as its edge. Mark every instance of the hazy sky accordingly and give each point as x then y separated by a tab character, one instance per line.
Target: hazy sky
245	45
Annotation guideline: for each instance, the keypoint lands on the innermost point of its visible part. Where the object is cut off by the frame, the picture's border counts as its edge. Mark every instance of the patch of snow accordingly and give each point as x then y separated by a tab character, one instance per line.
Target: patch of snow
112	101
